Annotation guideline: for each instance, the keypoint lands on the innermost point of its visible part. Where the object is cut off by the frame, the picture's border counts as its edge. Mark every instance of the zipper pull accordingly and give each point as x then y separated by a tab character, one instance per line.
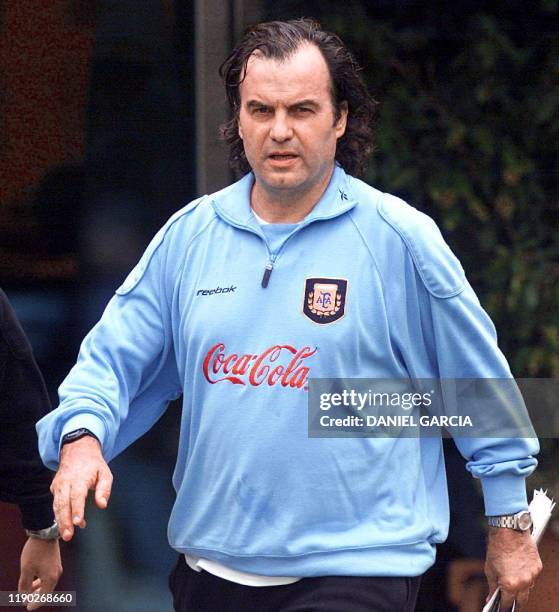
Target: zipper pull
267	273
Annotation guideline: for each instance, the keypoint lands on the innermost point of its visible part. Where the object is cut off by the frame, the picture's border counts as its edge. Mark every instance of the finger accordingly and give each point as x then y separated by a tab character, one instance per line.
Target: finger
103	488
507	599
62	511
78	495
35	605
522	600
492	588
47	585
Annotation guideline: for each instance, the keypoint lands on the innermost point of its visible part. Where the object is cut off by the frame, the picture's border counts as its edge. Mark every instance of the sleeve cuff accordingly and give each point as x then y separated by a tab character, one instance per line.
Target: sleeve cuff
37	514
84	420
504	494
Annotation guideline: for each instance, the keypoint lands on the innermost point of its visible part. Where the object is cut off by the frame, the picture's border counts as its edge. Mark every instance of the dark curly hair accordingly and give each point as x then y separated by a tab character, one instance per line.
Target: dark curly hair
280	39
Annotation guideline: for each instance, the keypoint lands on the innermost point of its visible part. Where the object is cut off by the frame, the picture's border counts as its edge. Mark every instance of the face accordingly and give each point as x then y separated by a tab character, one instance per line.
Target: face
286	122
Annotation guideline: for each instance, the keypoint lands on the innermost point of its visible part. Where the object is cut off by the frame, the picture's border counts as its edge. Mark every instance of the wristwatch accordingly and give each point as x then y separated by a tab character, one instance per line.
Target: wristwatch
72	436
49	533
521	521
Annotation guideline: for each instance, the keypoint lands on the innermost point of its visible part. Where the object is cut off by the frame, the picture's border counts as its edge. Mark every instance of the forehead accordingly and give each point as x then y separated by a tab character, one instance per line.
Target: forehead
302	75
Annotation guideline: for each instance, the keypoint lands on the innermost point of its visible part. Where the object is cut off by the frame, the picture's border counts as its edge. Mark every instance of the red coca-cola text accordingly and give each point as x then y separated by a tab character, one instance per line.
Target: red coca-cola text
255	370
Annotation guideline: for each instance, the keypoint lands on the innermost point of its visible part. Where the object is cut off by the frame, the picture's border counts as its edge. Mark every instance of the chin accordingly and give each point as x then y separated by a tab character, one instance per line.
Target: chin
284	181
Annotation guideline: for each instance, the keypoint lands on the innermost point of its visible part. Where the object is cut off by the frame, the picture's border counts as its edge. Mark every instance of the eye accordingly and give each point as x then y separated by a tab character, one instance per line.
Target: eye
303	110
261	110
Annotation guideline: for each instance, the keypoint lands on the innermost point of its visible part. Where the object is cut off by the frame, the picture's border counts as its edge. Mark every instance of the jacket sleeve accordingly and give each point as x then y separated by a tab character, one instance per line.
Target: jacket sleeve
444	333
126	371
24	480
466	347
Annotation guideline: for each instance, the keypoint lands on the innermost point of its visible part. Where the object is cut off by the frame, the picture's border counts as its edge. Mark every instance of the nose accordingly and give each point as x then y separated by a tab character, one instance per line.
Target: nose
281	130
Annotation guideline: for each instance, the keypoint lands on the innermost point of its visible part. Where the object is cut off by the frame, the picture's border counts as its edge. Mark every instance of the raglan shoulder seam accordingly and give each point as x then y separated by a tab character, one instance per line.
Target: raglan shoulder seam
437	266
137	273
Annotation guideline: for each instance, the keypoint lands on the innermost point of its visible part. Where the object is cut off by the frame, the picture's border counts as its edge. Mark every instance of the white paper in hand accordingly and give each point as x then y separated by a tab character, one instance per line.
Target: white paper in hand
540	508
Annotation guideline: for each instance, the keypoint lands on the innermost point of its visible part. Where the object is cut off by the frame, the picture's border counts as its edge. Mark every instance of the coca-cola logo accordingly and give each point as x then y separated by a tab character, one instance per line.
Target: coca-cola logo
280	364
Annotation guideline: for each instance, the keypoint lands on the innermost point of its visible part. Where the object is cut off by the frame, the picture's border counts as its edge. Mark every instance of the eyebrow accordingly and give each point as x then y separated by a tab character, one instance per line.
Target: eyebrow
306	102
254	104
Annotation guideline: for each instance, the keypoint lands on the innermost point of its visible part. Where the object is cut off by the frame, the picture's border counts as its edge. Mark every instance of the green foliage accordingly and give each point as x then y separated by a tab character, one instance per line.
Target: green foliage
468	131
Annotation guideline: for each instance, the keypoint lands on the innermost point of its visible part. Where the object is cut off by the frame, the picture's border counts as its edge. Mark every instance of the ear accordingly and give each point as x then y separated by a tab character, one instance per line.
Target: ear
341	123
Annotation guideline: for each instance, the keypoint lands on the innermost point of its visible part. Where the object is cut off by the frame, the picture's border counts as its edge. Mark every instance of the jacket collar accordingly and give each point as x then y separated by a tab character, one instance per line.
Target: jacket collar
233	203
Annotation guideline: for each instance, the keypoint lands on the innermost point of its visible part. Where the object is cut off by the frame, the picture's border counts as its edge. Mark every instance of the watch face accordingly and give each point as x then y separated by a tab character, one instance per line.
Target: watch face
524	521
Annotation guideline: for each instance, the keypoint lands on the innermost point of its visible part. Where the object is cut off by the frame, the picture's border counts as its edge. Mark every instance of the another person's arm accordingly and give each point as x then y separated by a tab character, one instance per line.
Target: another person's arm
24	480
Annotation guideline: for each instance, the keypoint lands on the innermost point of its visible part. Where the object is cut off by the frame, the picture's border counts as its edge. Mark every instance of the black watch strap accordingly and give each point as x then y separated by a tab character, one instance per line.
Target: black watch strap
72	436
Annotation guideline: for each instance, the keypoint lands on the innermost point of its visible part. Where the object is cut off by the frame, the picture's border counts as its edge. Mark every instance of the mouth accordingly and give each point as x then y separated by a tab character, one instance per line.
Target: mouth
282	159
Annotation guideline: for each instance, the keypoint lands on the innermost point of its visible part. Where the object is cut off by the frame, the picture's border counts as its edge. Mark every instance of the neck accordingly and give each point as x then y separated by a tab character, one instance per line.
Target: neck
286	206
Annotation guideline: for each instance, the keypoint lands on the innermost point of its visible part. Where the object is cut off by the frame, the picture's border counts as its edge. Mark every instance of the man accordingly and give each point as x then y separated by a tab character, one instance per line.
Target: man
23	478
298	270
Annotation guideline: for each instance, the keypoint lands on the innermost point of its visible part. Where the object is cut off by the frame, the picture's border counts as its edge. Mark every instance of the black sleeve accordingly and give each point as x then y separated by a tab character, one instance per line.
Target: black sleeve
24	480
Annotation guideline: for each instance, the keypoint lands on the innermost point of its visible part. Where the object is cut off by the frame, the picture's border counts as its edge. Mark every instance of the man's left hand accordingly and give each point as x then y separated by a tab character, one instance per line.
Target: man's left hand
41	567
513	563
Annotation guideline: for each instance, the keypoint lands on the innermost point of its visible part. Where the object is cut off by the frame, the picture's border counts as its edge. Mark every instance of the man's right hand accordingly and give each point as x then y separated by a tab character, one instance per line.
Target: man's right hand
81	468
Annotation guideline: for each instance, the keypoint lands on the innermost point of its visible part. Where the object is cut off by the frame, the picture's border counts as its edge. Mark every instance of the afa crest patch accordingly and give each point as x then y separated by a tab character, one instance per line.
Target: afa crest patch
325	299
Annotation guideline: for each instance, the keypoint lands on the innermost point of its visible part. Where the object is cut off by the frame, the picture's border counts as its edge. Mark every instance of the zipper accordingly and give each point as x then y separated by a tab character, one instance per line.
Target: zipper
267	273
270	265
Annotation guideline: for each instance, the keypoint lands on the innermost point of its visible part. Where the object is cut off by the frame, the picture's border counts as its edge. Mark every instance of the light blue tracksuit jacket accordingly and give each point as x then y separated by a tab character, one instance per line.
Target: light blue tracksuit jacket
253	490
